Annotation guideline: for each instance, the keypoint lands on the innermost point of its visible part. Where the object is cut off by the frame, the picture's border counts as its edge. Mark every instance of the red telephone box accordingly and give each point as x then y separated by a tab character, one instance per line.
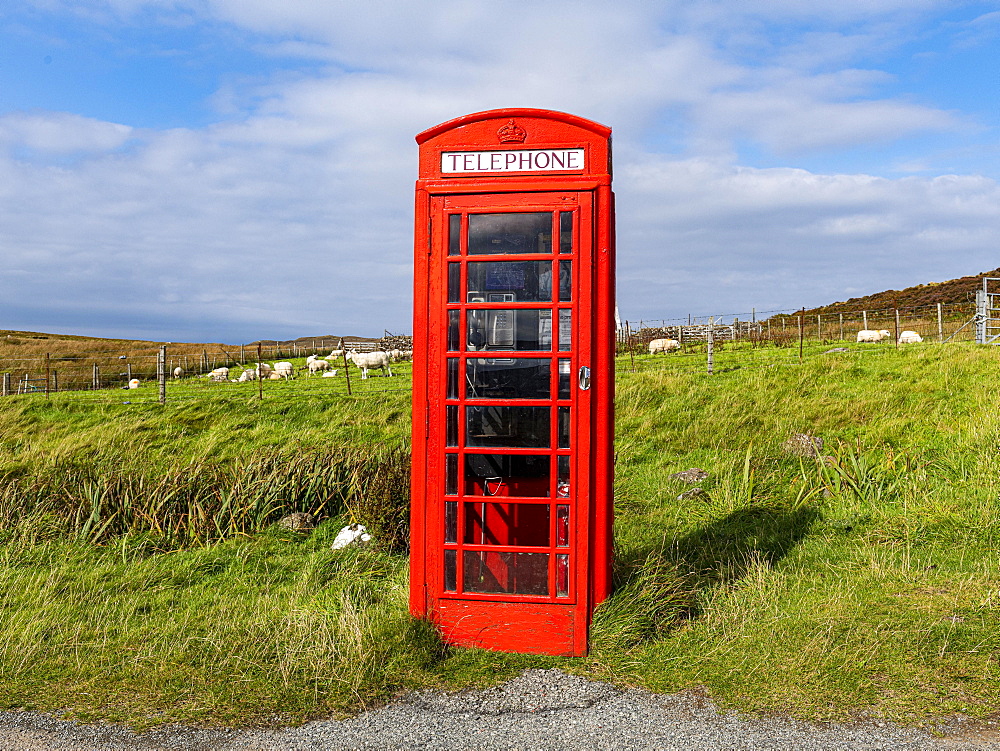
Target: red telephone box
513	380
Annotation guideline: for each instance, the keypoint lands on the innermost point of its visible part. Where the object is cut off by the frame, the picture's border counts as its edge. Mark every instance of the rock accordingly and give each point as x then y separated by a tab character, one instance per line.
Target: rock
690	476
835	350
803	444
692	493
298	522
352	534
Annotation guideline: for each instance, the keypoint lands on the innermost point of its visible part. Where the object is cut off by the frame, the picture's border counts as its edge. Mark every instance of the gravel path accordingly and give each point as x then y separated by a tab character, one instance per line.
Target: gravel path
542	709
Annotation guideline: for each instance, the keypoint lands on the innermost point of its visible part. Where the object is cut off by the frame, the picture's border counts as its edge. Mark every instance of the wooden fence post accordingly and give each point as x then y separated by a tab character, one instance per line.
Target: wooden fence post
5	390
55	381
819	326
841	327
96	382
46	375
800	339
897	328
161	372
711	345
864	317
940	325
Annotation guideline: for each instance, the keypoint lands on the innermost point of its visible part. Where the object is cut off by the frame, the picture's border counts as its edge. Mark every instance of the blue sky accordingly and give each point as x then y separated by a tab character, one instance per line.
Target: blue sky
239	169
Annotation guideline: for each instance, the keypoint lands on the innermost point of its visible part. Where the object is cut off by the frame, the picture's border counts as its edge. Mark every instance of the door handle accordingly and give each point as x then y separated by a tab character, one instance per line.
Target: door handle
584	378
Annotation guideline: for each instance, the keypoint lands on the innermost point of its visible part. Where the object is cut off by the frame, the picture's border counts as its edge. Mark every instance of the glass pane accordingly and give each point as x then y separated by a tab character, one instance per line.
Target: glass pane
453	338
505	573
562	479
565	231
508	427
517	476
509	330
451	426
451	474
455	282
507	378
515	524
562	576
562	526
452	390
565	281
454	234
564	427
451	521
450	572
565	330
564	378
510	233
509	281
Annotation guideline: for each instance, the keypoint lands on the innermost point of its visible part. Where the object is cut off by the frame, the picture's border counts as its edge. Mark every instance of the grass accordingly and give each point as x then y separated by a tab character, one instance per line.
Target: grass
864	583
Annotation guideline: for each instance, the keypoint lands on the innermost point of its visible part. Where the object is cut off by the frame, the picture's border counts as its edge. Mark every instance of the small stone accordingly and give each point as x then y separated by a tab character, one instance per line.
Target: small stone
692	493
803	444
298	522
690	476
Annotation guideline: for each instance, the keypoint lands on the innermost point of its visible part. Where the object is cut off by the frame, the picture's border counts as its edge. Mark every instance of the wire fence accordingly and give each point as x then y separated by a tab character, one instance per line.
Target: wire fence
137	372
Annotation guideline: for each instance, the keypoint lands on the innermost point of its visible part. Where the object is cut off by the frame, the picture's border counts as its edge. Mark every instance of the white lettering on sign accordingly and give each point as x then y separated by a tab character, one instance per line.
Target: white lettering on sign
535	160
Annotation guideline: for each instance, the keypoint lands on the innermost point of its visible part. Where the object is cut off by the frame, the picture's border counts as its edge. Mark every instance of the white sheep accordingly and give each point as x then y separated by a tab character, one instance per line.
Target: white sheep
910	337
246	375
663	345
272	376
283	369
316	366
870	335
330	373
219	375
133	384
396	355
311	358
334	355
370	361
178	371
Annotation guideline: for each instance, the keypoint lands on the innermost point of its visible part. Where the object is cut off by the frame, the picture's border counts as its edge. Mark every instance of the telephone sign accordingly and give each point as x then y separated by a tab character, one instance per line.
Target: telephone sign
513	381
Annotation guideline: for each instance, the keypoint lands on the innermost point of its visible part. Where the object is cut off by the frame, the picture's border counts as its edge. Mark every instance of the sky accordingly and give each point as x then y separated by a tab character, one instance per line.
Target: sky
232	170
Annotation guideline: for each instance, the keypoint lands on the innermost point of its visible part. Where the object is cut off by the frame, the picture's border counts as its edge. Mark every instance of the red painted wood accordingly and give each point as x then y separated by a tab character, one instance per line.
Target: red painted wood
508	566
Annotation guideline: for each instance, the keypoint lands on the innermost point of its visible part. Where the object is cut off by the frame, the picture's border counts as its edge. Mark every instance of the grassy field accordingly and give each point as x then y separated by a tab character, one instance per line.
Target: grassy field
142	578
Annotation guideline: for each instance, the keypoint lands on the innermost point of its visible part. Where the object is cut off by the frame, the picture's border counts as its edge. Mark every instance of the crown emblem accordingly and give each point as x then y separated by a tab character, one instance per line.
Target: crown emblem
511	133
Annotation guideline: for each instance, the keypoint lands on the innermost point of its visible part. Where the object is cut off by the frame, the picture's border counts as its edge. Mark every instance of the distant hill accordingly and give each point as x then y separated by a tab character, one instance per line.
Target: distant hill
954	291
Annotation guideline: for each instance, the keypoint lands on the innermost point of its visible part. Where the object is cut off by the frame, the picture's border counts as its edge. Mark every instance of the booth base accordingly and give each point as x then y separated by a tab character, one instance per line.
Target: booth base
535	628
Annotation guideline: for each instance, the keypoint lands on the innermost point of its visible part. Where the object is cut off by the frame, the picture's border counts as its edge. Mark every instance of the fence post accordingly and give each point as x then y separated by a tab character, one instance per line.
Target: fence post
6	385
347	370
96	382
128	371
161	372
800	339
711	344
243	356
46	375
768	327
864	317
897	328
55	381
940	325
204	361
841	327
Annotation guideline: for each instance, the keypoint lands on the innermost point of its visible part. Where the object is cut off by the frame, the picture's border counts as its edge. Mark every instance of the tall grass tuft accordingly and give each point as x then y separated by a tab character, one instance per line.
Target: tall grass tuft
202	501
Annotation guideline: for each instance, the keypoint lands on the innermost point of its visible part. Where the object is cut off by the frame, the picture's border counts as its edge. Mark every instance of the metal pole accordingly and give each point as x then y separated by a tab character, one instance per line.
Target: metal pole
161	373
711	345
940	325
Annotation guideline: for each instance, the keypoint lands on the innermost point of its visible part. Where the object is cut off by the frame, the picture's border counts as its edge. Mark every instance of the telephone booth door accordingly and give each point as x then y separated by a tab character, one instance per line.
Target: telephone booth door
506	534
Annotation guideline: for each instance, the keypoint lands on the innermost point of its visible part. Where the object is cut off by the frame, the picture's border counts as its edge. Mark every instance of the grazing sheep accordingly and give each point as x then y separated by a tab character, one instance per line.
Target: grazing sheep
330	373
178	371
263	369
219	375
284	370
870	335
910	337
663	345
334	355
246	375
272	376
370	361
311	358
396	355
316	366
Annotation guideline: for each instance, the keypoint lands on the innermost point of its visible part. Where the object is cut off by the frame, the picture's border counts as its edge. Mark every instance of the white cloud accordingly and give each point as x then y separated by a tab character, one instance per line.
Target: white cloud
60	132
